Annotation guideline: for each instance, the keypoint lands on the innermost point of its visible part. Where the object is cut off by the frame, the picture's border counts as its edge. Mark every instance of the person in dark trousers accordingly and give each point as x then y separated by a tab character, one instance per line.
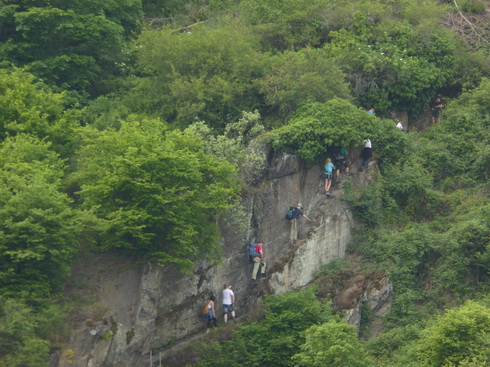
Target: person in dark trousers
366	153
210	317
340	161
298	212
435	109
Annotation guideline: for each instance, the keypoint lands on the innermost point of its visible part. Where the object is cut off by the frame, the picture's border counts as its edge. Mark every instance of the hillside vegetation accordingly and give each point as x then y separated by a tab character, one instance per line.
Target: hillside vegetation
131	126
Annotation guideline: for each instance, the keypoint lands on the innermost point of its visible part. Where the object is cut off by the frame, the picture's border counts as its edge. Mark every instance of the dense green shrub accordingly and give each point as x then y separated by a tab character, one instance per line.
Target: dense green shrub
204	73
75	45
473	6
293	78
392	64
282	25
155	193
333	343
28	106
457	336
39	229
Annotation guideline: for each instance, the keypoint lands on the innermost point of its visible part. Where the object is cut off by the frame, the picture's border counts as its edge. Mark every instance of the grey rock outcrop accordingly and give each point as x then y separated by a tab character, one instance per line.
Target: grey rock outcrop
376	301
139	308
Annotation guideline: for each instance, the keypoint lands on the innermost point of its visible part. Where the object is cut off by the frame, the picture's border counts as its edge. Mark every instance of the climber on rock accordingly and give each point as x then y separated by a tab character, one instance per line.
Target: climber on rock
329	167
340	158
293	214
256	251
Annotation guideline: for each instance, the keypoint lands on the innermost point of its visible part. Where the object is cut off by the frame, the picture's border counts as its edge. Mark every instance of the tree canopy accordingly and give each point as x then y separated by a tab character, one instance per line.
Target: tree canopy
154	191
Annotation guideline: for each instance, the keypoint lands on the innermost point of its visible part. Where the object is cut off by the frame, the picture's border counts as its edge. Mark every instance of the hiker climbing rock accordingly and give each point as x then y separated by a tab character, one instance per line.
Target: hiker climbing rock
293	214
210	313
329	167
366	153
435	109
340	161
228	301
256	251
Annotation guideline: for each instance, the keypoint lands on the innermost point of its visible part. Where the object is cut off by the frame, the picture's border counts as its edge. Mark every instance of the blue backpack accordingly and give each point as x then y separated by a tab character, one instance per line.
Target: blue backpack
290	213
252	250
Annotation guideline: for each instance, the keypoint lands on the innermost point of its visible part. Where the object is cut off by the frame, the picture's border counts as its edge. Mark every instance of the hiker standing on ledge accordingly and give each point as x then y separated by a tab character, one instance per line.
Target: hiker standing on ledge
210	316
228	301
294	213
435	109
366	153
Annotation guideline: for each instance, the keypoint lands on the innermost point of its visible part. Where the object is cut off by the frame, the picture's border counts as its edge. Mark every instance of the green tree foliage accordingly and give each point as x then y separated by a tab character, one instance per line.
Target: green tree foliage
333	343
238	145
38	228
318	126
461	155
202	73
386	345
391	62
298	77
275	339
75	45
27	106
20	344
282	25
156	193
457	336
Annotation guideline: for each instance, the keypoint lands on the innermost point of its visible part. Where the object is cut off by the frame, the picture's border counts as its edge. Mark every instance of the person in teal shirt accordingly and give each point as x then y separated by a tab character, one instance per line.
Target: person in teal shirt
329	167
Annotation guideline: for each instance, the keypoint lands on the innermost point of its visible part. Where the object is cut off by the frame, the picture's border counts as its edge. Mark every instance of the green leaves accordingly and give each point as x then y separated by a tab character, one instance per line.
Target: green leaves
156	193
38	228
320	126
71	45
457	336
307	75
204	73
333	343
26	106
390	63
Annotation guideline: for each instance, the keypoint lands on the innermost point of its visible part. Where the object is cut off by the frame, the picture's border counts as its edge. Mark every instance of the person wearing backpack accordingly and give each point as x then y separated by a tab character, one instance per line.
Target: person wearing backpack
294	213
256	251
340	161
210	314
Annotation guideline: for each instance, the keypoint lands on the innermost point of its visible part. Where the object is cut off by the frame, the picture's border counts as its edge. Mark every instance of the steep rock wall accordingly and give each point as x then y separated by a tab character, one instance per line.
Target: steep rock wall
140	308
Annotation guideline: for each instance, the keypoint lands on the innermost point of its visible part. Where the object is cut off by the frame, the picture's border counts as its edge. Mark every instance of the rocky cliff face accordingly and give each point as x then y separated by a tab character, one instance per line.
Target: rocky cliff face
139	308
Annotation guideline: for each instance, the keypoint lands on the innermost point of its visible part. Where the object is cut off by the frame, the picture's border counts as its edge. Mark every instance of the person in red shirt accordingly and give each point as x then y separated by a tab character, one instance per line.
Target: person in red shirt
258	262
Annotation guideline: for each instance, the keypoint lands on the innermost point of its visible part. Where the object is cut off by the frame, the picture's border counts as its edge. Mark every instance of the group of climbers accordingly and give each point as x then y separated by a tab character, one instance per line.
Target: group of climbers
209	311
256	250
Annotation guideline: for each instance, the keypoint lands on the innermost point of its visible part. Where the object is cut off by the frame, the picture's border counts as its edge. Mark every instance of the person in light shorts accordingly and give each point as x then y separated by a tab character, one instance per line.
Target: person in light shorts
228	301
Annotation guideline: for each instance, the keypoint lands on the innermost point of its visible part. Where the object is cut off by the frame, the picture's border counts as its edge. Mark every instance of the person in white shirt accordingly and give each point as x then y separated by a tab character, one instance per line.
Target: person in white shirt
228	301
366	153
399	125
